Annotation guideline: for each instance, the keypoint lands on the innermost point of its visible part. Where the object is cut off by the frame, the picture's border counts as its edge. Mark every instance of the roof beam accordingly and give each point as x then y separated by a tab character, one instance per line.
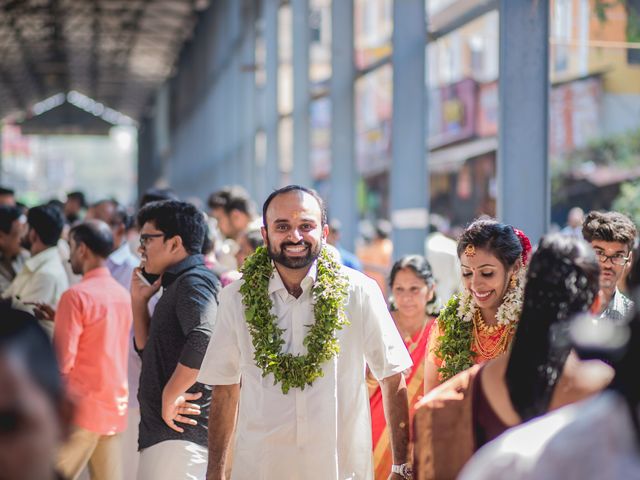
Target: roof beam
95	41
137	19
59	51
112	50
24	52
10	86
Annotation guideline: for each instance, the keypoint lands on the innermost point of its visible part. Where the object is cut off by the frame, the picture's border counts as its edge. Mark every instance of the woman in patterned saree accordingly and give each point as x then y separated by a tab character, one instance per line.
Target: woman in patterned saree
413	299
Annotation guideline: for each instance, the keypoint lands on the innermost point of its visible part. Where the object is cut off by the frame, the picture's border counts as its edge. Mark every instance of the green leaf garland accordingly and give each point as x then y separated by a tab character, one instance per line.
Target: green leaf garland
329	293
454	346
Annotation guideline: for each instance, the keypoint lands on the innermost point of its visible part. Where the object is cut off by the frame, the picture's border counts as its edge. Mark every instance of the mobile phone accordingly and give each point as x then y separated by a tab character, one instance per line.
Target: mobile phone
141	277
147	278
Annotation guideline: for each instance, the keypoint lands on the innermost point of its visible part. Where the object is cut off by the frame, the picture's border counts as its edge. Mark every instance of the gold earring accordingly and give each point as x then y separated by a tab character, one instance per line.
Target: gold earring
514	281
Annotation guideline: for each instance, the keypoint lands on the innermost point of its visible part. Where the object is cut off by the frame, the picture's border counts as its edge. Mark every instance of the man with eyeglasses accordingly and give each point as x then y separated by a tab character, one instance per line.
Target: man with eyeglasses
174	407
612	235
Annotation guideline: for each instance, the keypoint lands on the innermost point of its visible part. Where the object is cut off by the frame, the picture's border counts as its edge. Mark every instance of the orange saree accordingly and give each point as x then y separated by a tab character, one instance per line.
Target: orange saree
417	347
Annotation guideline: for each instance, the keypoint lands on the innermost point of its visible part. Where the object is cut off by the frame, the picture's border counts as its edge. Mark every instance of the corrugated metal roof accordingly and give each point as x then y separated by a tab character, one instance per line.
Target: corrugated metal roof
116	52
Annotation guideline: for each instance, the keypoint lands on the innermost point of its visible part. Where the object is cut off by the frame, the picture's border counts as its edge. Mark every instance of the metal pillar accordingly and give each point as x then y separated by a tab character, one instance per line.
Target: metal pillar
1	159
342	202
523	168
272	167
161	137
235	34
248	98
225	117
146	172
301	128
409	181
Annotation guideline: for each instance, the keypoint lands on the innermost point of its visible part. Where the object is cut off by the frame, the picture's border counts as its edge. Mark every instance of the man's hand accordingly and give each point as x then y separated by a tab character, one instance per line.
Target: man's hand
222	421
175	408
42	311
396	412
141	291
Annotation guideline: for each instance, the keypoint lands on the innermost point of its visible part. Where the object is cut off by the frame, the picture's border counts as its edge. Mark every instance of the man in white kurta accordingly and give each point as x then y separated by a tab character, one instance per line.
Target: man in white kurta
324	431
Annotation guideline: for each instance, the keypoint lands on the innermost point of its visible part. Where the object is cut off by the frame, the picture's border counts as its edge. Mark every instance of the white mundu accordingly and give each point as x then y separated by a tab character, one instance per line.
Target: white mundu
324	431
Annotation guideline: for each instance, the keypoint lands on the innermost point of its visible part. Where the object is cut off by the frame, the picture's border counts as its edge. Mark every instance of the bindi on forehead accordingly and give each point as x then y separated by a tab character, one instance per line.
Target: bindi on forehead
481	256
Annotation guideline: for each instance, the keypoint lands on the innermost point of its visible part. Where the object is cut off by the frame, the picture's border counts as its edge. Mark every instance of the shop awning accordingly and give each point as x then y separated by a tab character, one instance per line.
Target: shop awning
450	159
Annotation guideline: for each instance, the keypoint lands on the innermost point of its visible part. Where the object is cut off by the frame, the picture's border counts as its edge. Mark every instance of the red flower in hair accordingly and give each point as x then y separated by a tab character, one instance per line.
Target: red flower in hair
526	245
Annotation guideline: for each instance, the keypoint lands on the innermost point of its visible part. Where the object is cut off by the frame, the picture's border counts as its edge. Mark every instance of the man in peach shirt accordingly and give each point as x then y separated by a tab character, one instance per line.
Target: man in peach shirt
91	336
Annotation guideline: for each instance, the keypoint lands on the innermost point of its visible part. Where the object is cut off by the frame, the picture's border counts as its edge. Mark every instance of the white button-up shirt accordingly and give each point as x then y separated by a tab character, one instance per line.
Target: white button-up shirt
324	431
10	268
42	279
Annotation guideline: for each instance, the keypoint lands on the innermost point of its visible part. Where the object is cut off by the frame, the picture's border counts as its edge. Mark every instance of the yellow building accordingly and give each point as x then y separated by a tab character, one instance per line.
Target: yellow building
583	44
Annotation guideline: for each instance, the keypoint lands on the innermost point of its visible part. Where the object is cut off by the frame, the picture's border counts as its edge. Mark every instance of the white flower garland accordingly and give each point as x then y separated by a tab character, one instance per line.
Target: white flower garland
508	311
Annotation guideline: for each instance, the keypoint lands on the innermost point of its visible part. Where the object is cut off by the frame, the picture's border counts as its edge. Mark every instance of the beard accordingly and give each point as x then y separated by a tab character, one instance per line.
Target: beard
285	260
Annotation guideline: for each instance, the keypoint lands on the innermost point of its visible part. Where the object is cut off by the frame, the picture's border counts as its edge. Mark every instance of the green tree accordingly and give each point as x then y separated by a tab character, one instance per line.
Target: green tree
628	201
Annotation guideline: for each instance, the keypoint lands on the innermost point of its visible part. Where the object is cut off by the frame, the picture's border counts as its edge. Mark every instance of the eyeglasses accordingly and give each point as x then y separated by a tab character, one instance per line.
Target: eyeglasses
616	259
145	237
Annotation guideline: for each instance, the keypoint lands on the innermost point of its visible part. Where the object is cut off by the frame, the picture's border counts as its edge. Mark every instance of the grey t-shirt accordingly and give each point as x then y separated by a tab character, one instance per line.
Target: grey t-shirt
179	331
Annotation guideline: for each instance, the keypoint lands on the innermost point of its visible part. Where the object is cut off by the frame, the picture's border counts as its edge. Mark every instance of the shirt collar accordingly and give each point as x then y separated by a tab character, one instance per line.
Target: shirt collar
618	307
175	270
97	272
616	300
276	284
121	254
45	256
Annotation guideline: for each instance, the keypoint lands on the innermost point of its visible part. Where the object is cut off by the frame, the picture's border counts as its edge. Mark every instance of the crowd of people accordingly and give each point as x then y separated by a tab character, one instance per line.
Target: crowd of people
174	343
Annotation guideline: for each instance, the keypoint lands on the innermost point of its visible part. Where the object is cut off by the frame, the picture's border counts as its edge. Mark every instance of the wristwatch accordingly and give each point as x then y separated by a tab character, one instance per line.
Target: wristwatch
404	470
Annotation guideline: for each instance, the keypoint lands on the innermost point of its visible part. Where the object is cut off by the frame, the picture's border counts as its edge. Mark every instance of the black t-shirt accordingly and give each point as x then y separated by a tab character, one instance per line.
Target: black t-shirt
179	331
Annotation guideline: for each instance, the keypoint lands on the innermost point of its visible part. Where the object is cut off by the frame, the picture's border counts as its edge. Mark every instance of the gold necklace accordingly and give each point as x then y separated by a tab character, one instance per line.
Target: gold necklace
480	327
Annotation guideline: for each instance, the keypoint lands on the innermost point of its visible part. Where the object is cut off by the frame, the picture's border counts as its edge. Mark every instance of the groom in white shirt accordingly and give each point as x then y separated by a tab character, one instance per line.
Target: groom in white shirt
321	431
